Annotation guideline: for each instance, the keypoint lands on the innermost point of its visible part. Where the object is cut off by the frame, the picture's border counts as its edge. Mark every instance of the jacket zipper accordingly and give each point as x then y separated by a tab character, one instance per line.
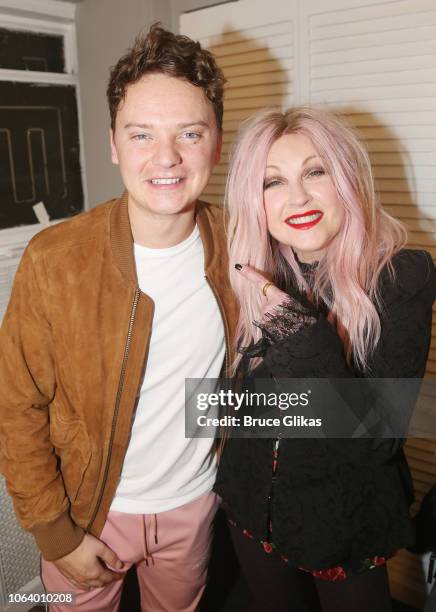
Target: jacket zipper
117	401
226	331
220	446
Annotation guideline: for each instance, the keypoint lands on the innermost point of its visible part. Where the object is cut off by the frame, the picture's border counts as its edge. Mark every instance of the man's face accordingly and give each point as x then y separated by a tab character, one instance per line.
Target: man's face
166	143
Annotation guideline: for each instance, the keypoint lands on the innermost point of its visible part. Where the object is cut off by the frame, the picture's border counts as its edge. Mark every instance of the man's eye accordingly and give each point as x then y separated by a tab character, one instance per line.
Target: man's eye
191	135
140	137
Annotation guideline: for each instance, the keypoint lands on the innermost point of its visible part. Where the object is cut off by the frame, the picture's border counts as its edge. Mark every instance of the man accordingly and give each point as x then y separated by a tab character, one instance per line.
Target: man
109	313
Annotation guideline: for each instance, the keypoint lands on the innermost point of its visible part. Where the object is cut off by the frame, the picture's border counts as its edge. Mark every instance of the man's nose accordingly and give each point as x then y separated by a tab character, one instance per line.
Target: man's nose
166	154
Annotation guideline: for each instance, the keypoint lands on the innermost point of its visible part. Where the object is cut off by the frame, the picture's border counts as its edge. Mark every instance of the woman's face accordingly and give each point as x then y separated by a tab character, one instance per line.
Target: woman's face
303	209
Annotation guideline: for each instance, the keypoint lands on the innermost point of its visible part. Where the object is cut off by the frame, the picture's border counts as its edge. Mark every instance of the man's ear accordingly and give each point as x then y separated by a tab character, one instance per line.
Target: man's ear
114	154
219	146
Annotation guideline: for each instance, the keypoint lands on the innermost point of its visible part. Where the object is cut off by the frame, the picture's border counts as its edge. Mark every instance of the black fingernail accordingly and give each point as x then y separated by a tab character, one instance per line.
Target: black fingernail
238	266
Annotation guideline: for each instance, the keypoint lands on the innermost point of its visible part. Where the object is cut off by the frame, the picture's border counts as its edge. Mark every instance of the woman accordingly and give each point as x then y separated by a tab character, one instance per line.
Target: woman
329	292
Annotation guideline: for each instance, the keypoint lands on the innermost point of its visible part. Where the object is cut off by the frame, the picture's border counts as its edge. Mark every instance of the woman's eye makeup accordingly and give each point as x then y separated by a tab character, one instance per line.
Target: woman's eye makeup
270	182
315	172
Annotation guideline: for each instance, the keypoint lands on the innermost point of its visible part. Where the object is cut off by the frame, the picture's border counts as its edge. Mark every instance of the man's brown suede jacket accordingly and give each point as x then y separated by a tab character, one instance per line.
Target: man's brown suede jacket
74	344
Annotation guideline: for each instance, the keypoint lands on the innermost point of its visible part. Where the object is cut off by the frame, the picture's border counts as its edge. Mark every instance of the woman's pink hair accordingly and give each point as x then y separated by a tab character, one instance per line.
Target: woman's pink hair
347	276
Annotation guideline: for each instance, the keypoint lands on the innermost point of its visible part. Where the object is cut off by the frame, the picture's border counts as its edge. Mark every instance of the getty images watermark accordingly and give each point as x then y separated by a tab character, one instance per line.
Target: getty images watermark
305	408
235	401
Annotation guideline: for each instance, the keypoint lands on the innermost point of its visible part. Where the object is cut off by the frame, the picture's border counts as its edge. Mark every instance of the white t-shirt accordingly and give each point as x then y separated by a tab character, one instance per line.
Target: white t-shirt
162	469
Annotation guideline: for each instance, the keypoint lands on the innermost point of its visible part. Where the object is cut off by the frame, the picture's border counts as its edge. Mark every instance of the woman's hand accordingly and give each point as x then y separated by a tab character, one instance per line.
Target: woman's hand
272	296
282	314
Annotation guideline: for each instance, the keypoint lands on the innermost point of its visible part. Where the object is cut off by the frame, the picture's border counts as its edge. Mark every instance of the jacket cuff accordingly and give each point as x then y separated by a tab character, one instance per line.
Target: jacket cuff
57	538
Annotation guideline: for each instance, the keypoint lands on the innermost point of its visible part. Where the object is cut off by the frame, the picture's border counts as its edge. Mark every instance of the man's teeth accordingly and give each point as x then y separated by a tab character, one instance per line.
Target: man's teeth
305	219
165	181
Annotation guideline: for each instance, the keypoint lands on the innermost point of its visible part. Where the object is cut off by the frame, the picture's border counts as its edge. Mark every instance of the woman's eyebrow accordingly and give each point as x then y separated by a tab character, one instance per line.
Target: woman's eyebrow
309	158
272	166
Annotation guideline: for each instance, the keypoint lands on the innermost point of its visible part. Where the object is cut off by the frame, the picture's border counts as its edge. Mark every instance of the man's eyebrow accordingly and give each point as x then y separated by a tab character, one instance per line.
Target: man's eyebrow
149	126
192	123
145	126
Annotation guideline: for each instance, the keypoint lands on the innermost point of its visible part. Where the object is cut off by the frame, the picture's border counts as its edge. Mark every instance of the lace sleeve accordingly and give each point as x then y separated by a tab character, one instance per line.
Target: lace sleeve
286	319
292	315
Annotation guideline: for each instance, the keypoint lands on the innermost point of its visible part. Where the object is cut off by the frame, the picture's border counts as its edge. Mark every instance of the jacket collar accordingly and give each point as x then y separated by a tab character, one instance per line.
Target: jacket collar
122	239
212	231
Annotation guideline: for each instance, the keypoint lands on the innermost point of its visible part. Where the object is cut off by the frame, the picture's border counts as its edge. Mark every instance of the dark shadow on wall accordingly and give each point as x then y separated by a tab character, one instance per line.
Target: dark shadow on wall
255	79
395	180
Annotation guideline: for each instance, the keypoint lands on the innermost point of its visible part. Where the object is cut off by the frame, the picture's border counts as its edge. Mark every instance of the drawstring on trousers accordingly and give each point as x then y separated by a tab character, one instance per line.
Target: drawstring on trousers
147	554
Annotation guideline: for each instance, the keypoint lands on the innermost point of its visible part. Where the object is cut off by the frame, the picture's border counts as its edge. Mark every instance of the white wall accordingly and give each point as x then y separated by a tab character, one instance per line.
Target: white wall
178	7
105	29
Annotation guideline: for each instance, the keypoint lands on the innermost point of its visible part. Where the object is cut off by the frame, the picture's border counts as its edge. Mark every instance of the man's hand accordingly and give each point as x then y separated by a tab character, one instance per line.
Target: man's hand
84	568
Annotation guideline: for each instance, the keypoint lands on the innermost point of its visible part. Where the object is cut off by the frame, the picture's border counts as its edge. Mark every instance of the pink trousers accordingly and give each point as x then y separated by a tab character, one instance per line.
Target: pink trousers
171	553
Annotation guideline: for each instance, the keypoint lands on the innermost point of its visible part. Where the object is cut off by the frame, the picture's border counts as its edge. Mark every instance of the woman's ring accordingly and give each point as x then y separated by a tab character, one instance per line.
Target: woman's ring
265	288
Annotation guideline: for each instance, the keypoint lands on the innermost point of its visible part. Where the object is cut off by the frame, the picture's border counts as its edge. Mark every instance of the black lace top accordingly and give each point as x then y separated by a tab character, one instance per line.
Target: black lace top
335	501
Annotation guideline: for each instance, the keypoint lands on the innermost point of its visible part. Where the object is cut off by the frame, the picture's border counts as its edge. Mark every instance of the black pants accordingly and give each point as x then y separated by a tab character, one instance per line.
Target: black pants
274	586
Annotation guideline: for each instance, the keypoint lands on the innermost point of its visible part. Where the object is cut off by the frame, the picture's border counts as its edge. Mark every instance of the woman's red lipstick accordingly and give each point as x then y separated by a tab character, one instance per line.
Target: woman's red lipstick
305	220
